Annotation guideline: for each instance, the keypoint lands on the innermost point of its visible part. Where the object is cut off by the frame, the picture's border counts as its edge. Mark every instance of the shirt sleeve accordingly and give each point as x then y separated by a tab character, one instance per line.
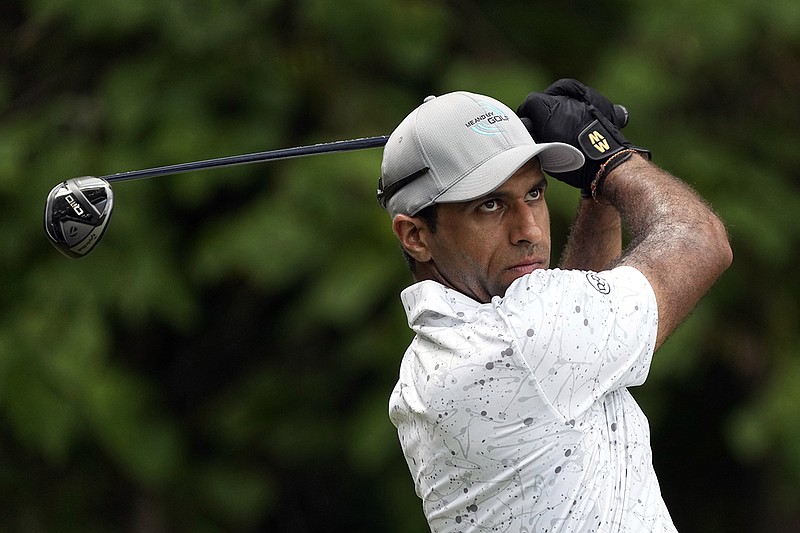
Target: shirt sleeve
583	334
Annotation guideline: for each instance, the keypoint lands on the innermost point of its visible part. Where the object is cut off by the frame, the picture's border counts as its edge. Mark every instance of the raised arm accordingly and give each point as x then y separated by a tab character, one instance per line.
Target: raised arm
595	239
677	241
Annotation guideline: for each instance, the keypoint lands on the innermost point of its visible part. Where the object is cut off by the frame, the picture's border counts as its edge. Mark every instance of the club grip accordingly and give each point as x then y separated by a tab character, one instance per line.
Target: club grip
621	112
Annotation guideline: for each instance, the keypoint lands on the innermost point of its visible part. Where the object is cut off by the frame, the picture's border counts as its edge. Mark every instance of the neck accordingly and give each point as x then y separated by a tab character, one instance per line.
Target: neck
428	271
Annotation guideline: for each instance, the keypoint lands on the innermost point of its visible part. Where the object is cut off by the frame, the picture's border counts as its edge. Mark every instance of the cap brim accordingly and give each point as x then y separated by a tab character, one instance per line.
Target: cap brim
554	157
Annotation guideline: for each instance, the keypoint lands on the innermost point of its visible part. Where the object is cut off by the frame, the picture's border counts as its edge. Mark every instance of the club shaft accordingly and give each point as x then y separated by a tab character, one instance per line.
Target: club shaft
256	157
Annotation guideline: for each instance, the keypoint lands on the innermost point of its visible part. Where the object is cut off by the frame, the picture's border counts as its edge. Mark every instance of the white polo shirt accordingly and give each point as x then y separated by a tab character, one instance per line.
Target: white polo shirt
514	415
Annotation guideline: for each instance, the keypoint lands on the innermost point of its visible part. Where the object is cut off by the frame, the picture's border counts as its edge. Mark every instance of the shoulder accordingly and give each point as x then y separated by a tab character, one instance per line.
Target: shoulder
555	295
619	281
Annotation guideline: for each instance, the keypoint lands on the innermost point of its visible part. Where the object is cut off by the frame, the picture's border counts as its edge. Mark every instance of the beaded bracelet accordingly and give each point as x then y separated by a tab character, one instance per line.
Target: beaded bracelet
600	177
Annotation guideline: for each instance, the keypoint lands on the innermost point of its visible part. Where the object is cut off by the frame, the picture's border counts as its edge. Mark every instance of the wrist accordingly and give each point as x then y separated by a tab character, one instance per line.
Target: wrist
596	185
617	176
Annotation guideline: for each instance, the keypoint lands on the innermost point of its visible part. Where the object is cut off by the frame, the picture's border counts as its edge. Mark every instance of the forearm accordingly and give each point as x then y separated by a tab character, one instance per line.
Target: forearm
595	239
677	241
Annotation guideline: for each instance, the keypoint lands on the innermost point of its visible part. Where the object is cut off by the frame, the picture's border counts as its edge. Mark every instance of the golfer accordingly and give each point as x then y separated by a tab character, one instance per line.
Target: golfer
512	404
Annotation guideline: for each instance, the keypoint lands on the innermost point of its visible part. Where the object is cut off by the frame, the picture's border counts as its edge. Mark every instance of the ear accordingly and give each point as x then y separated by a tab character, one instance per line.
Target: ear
413	235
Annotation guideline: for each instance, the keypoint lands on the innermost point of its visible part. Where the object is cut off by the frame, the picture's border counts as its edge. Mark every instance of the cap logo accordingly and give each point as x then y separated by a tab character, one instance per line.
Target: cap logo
487	123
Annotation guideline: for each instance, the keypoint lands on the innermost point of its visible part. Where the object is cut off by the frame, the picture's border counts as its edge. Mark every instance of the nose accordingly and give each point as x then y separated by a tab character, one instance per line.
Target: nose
526	228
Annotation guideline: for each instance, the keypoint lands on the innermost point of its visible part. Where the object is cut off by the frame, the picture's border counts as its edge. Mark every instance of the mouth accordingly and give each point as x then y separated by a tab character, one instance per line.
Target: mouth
526	267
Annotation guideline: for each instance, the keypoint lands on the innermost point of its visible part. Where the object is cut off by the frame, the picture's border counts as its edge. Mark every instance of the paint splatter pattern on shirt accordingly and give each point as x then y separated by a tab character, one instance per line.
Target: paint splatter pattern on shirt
515	415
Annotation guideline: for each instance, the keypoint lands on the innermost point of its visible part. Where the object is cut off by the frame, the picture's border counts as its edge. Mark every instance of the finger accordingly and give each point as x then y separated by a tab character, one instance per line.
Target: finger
567	87
603	105
537	109
574	89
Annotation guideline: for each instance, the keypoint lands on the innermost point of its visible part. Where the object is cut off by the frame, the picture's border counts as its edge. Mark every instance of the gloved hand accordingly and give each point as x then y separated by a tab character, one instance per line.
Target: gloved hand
572	113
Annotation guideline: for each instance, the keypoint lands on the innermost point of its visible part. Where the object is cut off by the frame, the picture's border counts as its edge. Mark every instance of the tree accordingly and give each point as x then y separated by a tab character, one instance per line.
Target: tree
223	360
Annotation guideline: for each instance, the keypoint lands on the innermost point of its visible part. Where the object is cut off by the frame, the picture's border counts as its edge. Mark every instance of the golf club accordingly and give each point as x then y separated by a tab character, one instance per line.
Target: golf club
77	211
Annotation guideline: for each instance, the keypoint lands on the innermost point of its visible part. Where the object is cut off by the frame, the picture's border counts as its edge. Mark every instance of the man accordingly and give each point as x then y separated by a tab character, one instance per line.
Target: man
512	405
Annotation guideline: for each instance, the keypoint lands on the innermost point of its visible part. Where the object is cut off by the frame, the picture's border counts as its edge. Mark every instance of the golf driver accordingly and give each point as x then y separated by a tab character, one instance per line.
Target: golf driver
77	211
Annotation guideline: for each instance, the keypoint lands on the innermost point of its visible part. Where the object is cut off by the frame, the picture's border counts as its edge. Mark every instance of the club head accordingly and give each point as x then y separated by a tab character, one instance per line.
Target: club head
76	214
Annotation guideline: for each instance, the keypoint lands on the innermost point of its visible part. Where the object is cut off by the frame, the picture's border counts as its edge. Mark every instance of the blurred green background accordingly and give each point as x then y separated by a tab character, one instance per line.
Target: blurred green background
223	361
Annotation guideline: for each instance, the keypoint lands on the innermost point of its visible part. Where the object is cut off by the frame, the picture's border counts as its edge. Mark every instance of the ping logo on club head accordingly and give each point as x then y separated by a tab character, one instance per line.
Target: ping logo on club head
488	122
74	205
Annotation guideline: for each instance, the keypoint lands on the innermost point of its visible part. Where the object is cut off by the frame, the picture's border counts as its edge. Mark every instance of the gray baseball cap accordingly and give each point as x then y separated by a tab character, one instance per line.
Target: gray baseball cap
458	147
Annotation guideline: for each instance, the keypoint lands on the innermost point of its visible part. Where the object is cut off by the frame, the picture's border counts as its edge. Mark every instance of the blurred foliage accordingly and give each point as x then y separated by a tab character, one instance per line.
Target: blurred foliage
223	361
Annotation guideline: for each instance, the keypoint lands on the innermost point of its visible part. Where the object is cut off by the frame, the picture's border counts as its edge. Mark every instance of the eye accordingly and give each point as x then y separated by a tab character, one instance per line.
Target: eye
490	206
535	194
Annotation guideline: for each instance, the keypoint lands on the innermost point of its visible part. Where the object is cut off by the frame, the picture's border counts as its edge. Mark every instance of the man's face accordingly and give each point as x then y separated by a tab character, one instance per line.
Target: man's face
481	246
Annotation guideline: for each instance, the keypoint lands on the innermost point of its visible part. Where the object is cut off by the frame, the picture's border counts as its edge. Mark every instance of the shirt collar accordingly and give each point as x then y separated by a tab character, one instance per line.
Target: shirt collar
432	297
